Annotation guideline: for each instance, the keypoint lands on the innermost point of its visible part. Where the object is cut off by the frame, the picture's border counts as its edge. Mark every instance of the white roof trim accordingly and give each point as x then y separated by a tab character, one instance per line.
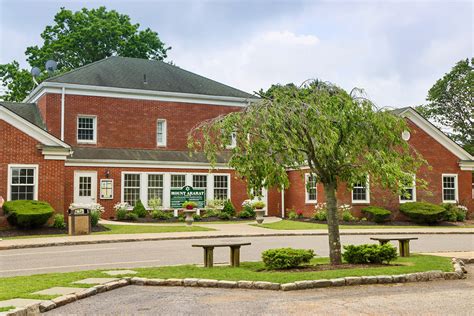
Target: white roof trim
434	132
467	165
143	164
30	129
113	92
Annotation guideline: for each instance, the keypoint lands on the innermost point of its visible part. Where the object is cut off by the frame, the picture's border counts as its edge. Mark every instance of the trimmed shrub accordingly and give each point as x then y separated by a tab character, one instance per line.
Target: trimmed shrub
320	215
373	253
224	216
121	214
246	214
95	216
211	213
377	214
423	212
158	214
228	208
139	209
27	214
58	221
286	258
131	216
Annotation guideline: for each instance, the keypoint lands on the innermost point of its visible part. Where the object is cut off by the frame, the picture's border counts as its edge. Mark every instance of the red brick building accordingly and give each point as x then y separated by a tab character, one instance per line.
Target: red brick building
116	130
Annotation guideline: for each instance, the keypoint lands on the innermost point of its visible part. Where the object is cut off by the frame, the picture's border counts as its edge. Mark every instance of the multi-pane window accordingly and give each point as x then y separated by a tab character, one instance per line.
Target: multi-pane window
200	182
86	129
155	186
408	192
360	192
161	132
22	183
450	187
85	186
131	188
311	189
232	140
221	188
178	181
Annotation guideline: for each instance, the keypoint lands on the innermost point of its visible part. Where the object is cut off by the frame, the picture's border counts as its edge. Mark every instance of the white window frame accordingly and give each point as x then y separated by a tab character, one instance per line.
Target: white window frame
165	133
35	178
456	187
228	184
367	195
413	196
307	199
122	186
233	141
82	141
102	197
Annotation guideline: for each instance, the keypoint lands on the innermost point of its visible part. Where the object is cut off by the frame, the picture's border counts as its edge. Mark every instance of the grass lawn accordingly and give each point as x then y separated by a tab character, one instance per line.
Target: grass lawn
131	229
6	308
23	286
294	225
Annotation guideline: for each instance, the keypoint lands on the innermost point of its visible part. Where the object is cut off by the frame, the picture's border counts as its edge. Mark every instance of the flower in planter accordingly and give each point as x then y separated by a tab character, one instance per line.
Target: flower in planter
258	205
189	205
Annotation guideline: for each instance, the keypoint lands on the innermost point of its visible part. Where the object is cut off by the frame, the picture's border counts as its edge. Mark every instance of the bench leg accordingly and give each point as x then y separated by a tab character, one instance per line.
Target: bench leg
209	257
404	246
235	256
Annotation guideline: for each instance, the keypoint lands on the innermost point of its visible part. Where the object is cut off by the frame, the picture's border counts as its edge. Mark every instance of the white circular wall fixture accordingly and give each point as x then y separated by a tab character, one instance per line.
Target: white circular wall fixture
406	135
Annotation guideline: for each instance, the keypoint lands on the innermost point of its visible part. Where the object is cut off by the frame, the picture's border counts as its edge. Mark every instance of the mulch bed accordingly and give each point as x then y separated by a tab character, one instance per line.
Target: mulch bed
391	223
14	232
326	267
176	220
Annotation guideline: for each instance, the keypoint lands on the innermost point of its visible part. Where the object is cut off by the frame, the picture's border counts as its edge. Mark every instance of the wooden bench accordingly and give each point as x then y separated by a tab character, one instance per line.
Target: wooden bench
234	253
403	243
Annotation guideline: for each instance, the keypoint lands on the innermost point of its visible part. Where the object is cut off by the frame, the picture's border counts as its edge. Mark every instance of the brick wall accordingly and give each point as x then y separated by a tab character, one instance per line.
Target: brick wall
440	161
129	123
19	148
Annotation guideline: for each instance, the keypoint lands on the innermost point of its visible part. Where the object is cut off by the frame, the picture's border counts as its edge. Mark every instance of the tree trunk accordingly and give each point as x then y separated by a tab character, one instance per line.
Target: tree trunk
333	223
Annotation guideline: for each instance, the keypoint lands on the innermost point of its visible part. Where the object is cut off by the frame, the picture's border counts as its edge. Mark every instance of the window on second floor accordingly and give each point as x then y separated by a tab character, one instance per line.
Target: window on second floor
161	132
87	129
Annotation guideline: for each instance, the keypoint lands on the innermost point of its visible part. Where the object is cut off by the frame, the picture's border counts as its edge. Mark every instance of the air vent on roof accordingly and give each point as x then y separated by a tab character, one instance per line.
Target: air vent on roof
144	79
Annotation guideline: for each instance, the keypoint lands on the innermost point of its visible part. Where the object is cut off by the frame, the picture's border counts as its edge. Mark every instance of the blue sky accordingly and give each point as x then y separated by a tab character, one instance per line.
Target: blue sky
395	50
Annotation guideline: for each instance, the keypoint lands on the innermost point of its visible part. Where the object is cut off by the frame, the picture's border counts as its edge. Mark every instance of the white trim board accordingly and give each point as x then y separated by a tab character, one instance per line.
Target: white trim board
113	92
143	164
30	129
434	132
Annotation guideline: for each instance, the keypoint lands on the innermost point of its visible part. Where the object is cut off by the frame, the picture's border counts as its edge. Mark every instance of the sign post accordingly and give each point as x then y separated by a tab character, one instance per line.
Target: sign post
187	194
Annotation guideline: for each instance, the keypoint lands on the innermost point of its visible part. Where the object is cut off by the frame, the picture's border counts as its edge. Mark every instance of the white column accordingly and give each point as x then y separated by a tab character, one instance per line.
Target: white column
166	190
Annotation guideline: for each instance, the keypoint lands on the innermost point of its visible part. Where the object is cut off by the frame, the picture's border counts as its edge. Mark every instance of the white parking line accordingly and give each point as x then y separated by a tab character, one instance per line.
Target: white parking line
55	252
78	265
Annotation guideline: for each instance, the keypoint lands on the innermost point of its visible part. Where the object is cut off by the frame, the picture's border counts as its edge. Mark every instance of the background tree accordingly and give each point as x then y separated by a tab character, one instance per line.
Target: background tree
341	137
79	38
451	103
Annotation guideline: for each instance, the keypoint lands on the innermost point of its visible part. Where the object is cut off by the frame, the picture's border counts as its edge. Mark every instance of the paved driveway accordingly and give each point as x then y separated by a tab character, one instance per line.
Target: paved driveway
427	298
172	252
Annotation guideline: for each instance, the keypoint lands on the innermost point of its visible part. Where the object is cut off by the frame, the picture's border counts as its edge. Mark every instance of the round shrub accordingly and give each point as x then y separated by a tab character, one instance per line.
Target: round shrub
27	214
369	253
58	221
139	209
454	213
286	258
376	214
95	216
158	214
422	212
228	208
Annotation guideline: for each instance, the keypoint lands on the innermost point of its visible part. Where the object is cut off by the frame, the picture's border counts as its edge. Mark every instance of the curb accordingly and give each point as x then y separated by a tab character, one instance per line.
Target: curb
36	309
88	242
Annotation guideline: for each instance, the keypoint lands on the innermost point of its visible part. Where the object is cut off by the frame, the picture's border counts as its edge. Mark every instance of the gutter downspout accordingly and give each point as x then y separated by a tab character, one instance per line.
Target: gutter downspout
63	92
282	201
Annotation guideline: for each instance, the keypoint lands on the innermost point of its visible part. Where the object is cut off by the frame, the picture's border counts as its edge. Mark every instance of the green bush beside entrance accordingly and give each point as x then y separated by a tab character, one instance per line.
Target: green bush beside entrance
27	214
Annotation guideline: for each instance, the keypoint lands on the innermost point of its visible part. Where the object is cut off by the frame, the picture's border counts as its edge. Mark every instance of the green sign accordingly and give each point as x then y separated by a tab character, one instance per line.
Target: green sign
187	193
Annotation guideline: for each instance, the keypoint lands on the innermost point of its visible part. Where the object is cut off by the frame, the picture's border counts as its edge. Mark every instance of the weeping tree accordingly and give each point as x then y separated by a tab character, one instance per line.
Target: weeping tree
341	137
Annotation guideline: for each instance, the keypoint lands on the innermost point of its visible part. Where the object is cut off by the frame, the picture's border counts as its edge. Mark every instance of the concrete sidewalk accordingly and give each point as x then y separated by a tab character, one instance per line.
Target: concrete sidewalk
221	231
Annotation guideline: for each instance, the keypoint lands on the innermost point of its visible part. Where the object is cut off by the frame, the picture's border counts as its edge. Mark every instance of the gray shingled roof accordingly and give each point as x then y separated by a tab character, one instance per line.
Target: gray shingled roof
125	72
140	154
28	111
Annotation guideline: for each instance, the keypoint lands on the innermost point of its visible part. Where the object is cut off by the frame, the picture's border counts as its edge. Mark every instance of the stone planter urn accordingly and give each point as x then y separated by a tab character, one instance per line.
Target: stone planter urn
259	215
189	219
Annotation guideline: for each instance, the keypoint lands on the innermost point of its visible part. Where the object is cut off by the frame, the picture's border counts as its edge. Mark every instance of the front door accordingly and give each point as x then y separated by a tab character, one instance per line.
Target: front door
262	198
85	187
